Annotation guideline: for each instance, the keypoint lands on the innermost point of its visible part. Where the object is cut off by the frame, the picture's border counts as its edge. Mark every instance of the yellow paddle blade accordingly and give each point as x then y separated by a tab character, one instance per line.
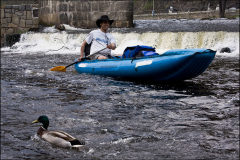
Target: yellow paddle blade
59	68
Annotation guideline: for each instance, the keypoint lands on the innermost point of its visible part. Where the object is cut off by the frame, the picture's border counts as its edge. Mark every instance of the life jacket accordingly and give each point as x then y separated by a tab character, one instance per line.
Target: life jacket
87	49
139	51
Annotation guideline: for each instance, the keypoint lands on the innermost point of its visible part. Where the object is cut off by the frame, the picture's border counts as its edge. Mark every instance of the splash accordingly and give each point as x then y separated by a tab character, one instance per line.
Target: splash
181	40
55	42
230	40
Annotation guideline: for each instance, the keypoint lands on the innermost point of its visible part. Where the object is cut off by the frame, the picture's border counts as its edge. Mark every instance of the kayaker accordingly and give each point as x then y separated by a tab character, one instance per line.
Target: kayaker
100	39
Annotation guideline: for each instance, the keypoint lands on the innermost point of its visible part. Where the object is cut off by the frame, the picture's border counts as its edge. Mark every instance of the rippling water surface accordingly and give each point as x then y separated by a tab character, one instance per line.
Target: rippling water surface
197	118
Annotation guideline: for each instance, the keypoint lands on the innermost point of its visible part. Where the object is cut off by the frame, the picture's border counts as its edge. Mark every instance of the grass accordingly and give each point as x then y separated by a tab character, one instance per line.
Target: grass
148	5
3	4
16	2
232	16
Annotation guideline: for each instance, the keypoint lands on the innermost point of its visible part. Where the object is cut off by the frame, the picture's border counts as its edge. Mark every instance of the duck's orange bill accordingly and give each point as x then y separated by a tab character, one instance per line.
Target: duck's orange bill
59	68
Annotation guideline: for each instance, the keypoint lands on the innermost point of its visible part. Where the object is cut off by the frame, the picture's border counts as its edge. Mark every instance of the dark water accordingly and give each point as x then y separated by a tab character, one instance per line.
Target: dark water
194	119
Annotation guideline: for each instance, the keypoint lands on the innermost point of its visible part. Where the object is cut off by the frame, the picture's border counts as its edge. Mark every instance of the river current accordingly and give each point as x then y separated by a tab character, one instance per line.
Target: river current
118	119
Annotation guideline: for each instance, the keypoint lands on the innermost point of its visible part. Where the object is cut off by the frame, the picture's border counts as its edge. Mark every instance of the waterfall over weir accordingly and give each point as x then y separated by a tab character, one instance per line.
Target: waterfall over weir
51	41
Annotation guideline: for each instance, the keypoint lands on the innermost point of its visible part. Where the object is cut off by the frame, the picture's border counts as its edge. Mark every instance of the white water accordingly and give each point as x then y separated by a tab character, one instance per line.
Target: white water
53	42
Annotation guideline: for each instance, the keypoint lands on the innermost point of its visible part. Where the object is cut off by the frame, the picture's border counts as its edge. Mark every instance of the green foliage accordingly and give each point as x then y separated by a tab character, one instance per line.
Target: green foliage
18	2
3	4
232	16
148	5
21	32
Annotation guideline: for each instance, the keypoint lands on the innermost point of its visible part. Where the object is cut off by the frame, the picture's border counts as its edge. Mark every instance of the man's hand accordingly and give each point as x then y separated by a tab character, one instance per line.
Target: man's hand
80	59
111	46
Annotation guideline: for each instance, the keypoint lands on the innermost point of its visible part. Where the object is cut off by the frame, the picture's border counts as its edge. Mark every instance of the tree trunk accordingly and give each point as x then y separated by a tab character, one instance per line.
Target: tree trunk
222	8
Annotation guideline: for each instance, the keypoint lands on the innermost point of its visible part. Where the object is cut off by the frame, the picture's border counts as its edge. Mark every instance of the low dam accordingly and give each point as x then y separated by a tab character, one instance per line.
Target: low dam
50	40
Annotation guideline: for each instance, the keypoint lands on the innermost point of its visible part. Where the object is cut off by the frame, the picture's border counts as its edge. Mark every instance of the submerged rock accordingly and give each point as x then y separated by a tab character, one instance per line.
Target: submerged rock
225	49
11	39
60	27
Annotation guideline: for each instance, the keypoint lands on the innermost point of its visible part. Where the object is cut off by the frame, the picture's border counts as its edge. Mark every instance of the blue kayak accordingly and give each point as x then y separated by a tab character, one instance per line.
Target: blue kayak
173	65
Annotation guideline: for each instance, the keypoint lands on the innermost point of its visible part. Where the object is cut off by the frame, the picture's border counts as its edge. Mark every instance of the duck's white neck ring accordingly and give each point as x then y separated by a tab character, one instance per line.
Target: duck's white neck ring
43	128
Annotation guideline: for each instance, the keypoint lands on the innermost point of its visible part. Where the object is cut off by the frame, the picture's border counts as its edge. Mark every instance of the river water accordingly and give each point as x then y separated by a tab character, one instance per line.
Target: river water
119	119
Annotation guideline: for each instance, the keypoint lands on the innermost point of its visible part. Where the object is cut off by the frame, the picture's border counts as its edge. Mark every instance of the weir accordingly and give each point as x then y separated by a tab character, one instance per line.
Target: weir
55	43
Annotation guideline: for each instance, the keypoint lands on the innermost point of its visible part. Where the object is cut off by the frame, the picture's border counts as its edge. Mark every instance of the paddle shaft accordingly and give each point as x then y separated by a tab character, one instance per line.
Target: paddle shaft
83	58
71	64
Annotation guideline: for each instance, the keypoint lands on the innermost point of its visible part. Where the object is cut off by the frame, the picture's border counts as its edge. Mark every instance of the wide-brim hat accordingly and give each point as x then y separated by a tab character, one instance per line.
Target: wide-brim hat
103	18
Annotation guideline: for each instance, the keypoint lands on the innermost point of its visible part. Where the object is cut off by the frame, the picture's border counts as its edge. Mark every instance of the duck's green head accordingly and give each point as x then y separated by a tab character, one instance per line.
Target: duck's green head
44	120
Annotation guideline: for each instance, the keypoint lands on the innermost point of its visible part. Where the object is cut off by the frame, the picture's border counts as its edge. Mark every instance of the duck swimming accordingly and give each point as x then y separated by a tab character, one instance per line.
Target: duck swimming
59	138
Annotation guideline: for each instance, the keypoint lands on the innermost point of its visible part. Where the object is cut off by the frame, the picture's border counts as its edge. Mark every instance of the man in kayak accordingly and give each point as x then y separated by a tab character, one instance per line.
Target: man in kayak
101	41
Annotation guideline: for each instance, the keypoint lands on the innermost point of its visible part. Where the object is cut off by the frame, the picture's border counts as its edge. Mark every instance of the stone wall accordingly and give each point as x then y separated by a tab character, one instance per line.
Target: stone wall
84	13
18	19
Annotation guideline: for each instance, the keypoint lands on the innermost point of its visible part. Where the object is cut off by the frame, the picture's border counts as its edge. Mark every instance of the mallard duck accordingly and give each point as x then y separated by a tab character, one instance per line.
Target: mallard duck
58	138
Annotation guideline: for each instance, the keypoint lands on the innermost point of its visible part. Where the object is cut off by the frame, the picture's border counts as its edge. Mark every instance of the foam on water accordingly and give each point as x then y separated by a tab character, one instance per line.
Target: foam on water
54	30
48	43
180	40
230	40
52	41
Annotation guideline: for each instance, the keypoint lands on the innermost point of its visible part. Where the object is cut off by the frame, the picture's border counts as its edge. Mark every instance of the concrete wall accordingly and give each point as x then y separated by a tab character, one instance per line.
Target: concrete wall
84	13
18	19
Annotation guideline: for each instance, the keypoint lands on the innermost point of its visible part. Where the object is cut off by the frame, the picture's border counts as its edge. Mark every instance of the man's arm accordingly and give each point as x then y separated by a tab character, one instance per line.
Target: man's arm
82	50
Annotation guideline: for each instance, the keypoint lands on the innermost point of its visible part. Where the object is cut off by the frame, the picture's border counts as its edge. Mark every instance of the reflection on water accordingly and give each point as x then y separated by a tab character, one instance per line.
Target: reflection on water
118	119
